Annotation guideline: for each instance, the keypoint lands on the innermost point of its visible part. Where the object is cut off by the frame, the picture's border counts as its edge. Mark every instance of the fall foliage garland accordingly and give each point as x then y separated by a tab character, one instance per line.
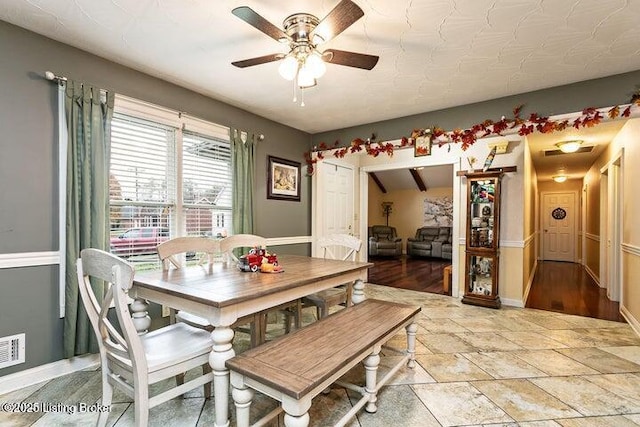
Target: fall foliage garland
590	117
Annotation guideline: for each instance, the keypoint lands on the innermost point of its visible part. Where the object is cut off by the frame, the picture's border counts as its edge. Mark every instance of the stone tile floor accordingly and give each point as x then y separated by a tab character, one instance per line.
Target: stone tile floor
476	366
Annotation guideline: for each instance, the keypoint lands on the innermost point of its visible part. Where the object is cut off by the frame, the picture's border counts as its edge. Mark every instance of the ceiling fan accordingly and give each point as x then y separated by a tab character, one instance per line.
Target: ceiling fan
304	33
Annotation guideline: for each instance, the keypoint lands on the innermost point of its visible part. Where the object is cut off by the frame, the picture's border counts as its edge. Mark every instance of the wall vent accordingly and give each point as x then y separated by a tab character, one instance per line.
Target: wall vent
12	350
558	152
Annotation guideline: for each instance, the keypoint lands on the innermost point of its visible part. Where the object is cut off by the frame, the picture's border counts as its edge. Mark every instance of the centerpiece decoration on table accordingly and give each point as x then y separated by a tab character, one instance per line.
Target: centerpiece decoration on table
260	259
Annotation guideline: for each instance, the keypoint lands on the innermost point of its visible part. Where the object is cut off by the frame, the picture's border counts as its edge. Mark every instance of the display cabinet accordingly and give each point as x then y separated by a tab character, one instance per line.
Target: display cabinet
482	239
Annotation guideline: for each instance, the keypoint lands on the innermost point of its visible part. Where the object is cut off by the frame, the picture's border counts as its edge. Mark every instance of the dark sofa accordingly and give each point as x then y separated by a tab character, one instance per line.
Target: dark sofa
435	242
384	241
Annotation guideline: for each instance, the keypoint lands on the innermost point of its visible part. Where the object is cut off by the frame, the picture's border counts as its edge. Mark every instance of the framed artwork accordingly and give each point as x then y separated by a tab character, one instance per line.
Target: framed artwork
422	146
283	179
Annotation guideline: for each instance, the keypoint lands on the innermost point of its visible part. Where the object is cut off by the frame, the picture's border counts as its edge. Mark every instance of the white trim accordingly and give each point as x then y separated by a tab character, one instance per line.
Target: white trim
29	259
503	243
293	240
532	276
592	274
142	109
48	372
512	302
632	321
593	237
630	249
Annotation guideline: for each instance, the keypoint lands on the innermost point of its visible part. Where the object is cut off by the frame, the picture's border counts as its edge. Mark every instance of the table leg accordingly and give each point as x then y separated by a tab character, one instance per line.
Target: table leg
222	350
139	315
358	292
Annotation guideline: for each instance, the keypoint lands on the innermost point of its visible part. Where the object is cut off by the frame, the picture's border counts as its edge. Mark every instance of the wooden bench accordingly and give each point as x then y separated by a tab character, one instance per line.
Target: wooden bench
297	367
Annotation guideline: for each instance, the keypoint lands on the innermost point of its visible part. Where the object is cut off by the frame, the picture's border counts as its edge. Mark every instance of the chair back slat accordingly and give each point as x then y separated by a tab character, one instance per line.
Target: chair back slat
340	246
228	244
118	275
206	247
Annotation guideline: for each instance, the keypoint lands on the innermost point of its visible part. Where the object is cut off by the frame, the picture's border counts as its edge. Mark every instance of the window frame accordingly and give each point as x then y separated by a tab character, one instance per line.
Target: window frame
180	123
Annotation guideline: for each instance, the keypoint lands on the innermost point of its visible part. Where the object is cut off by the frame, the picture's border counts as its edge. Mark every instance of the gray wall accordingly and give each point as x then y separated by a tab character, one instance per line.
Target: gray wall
28	172
604	92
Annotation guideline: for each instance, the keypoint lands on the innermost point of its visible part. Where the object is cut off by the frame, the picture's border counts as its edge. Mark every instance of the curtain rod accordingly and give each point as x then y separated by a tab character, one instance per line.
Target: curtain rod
50	76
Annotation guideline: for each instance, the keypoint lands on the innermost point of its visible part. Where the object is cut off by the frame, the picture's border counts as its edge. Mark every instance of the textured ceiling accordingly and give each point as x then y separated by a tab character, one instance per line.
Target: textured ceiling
433	53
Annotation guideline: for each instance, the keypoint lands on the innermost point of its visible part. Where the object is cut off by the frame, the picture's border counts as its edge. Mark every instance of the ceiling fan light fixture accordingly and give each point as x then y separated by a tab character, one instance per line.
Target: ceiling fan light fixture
569	146
315	64
305	78
288	68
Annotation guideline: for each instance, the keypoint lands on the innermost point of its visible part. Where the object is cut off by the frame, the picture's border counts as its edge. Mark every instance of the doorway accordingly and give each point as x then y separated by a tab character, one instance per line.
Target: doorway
611	227
409	214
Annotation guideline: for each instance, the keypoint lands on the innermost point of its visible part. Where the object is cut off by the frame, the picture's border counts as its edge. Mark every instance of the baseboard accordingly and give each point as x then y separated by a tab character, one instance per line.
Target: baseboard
525	297
632	321
512	302
47	372
592	274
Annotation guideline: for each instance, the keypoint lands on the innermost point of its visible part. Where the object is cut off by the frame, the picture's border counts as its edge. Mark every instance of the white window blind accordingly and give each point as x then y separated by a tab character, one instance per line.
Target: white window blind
206	187
165	183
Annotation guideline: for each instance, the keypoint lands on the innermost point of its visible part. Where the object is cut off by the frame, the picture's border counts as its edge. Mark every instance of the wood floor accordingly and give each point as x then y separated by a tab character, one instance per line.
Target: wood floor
566	287
416	274
562	287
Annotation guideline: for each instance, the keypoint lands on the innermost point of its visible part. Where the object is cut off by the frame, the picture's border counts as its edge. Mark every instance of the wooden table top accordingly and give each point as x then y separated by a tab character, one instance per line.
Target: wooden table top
221	284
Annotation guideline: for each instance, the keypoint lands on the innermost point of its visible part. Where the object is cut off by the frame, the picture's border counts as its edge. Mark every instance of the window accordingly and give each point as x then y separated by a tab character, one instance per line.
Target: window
170	176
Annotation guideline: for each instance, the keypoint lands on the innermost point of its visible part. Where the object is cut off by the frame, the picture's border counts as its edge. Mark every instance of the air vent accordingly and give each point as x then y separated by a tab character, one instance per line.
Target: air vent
12	350
558	152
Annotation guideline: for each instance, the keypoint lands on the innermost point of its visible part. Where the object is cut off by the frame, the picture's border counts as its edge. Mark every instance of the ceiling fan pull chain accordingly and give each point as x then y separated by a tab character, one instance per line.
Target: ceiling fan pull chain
295	93
301	97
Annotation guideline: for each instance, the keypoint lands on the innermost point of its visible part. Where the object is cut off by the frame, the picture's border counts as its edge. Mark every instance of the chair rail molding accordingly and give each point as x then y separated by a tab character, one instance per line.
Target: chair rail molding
293	240
29	259
631	249
593	237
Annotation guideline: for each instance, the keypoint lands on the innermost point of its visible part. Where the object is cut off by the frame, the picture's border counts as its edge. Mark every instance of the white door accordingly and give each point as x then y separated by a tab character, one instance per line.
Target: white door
559	226
335	188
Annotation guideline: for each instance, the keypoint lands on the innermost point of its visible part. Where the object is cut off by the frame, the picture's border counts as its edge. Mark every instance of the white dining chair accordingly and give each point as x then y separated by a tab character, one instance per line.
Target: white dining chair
129	361
236	241
291	310
173	254
336	246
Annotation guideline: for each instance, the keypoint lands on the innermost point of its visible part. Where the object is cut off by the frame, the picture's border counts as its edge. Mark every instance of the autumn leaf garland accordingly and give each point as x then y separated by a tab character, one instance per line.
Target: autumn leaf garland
590	117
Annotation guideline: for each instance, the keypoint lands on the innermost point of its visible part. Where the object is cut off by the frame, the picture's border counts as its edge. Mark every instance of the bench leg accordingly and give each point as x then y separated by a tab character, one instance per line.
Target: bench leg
411	328
371	372
293	421
242	396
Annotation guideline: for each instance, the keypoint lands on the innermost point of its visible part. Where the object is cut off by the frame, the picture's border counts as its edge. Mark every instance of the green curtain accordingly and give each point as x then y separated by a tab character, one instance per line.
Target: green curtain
243	166
88	114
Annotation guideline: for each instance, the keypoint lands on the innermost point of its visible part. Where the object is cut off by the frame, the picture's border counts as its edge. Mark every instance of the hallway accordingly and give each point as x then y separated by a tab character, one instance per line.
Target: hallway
566	287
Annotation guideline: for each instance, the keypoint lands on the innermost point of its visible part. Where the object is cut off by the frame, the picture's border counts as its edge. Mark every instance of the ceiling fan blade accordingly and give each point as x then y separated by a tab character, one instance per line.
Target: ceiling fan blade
338	20
350	59
252	18
259	60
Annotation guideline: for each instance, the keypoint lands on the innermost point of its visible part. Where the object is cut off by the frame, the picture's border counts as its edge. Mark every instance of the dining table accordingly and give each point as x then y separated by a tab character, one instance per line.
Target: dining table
221	293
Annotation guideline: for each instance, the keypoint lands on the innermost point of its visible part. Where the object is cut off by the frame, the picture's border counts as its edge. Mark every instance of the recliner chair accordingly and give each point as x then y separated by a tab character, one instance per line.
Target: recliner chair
384	241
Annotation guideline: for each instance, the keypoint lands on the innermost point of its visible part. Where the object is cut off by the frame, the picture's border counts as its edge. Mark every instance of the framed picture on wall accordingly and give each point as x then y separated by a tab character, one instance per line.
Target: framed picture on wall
422	146
283	179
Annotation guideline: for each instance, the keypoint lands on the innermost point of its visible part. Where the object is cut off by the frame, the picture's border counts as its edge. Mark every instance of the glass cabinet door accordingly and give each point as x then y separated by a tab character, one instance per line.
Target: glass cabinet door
483	239
481	278
482	218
